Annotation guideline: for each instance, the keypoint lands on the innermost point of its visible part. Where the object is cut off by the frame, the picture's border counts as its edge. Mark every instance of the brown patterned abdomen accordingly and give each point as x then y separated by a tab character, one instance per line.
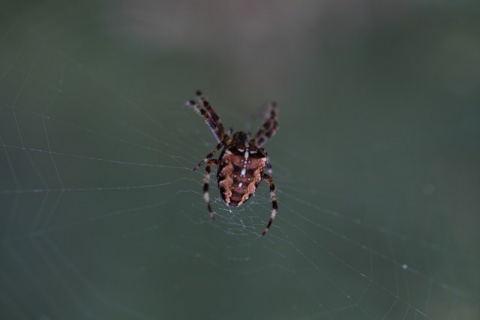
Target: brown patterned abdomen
238	178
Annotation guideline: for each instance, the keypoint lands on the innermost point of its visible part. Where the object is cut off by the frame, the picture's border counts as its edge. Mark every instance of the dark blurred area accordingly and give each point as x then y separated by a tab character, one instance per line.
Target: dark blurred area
376	161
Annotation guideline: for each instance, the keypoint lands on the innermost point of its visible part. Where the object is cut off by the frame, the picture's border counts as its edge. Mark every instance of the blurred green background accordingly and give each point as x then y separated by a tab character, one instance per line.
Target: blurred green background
376	161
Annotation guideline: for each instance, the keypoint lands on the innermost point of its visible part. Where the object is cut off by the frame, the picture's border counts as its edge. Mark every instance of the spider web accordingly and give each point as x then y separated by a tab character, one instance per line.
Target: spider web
102	216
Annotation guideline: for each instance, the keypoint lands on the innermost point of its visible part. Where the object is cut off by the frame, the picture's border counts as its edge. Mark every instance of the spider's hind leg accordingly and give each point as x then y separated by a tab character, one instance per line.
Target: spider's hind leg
274	203
206	182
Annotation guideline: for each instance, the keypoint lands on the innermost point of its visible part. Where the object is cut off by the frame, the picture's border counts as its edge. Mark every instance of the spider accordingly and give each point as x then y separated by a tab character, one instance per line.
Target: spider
242	162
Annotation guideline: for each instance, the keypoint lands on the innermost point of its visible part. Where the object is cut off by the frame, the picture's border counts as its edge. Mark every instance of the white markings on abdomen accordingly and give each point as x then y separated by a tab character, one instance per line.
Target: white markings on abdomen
244	170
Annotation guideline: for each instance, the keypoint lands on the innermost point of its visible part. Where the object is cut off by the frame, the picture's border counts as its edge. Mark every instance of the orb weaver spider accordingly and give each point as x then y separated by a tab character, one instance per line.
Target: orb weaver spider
242	163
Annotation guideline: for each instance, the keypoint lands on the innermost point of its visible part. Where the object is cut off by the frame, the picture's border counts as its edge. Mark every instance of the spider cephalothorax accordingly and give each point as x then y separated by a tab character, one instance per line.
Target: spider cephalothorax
242	164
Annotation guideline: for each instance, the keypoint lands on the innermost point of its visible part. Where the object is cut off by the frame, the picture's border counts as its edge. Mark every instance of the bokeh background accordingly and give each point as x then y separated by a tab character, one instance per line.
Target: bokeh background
376	161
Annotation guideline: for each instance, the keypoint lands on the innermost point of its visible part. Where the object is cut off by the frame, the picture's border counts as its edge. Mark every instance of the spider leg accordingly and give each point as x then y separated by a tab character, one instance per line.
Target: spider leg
206	182
269	127
211	118
209	156
215	125
268	165
274	203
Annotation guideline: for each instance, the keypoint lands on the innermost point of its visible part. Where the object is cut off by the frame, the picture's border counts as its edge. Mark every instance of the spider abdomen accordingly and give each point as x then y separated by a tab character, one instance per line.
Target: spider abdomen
239	173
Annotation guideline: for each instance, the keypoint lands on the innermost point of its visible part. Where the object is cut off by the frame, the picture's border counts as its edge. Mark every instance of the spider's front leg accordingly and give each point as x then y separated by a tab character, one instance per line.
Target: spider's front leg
211	118
206	182
269	127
